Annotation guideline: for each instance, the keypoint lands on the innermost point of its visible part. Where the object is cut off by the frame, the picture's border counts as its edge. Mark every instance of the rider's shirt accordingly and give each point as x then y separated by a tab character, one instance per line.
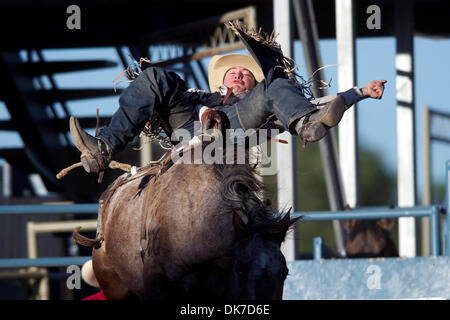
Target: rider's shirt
203	99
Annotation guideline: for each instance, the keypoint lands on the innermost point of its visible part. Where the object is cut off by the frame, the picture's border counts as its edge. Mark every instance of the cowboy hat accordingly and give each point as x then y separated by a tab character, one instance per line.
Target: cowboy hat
219	65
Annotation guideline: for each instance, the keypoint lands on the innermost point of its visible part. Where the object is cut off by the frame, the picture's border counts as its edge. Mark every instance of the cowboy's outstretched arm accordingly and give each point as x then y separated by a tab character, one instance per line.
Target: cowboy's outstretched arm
374	89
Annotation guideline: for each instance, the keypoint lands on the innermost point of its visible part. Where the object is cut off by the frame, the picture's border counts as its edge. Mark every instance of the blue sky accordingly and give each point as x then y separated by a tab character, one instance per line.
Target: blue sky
376	118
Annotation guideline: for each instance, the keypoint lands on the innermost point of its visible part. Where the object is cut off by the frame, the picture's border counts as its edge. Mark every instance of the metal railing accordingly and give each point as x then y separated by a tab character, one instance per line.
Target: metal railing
32	268
60	226
377	213
83	208
447	205
42	262
432	212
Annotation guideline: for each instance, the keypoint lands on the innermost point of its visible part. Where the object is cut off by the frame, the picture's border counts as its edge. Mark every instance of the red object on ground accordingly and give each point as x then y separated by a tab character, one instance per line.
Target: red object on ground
96	296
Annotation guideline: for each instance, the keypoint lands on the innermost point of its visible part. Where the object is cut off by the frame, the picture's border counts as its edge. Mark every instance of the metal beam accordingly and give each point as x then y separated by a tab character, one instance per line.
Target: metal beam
346	58
62	95
199	55
426	184
447	204
406	164
307	29
52	67
61	124
36	128
43	262
26	113
285	152
181	32
372	213
39	132
82	208
43	30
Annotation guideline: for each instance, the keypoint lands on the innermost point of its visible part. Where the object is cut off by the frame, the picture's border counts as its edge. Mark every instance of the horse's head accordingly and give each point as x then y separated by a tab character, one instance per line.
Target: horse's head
370	238
259	268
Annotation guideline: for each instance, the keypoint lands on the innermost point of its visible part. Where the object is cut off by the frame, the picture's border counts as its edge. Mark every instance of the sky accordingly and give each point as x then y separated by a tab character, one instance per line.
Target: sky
375	59
376	118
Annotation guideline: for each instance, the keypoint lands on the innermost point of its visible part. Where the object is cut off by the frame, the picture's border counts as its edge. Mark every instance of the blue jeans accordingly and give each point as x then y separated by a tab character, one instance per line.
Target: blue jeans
162	91
282	98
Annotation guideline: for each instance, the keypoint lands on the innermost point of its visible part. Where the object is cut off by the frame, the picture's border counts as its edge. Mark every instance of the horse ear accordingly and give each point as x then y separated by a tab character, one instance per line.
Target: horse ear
349	224
239	225
287	218
386	223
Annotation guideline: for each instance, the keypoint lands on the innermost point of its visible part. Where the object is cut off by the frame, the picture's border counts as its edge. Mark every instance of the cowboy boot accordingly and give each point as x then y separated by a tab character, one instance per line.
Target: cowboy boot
95	153
315	125
266	52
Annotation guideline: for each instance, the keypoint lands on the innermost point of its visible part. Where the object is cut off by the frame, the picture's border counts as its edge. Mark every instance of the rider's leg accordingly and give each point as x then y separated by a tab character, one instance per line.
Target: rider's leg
284	99
154	89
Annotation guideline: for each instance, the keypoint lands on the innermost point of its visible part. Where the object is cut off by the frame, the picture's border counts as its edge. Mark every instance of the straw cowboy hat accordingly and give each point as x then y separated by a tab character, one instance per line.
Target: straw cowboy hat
219	65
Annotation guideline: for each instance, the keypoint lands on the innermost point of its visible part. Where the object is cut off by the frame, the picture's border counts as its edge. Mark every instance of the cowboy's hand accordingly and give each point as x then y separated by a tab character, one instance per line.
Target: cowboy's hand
374	89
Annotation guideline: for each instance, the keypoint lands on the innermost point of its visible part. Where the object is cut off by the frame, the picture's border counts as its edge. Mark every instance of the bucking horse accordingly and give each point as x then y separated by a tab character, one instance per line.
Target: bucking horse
189	231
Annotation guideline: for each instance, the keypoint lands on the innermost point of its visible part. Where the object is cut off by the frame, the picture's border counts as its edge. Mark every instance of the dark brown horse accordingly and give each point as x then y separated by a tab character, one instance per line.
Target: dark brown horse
370	238
194	232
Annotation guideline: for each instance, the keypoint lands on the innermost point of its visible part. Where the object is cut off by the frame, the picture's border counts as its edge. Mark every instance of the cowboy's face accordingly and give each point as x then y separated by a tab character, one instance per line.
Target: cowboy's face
239	79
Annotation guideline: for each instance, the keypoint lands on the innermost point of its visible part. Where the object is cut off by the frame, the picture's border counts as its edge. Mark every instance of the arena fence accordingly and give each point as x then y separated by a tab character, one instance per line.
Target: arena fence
376	278
429	277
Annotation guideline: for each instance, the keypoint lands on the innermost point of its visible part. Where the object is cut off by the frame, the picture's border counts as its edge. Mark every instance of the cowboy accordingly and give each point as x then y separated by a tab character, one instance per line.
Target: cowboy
246	90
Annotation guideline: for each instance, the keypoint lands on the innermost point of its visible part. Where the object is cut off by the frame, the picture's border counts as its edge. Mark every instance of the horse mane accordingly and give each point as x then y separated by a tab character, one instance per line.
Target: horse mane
241	191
